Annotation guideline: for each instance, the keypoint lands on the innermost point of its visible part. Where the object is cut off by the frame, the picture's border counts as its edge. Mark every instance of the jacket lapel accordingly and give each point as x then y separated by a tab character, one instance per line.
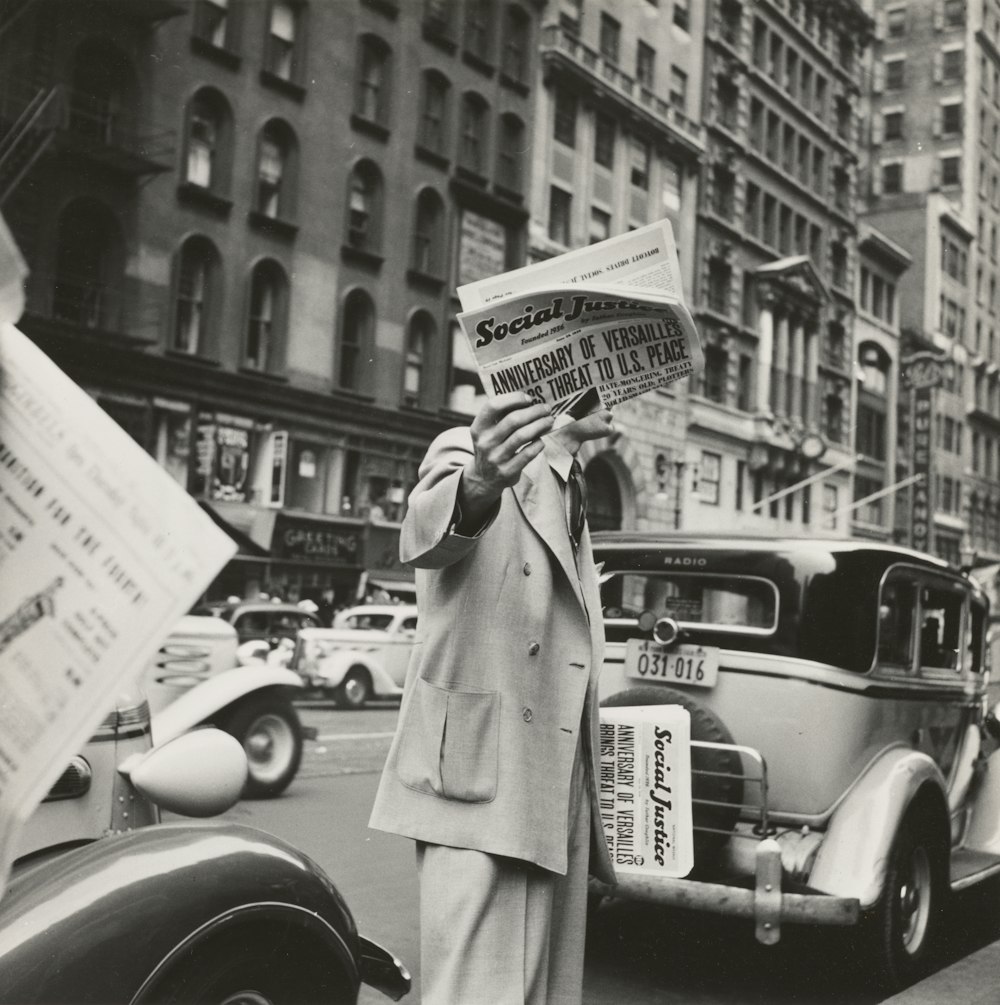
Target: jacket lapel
539	495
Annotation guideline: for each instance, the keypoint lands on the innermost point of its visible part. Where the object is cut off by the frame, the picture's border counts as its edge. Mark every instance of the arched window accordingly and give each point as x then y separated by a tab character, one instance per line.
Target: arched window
364	208
373	84
514	62
428	233
209	141
276	162
434	112
197	295
283	57
267	317
357	338
89	265
419	338
510	153
472	142
479	28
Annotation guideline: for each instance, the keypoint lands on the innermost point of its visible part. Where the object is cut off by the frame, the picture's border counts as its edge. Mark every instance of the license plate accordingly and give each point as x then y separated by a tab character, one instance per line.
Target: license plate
683	664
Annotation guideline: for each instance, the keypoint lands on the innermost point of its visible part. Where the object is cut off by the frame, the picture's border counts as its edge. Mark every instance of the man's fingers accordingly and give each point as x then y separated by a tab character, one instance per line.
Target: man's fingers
492	412
512	469
516	441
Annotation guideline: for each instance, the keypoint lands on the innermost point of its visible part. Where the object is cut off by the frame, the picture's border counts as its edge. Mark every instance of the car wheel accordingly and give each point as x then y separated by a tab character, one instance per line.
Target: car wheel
268	727
902	927
241	970
717	775
354	689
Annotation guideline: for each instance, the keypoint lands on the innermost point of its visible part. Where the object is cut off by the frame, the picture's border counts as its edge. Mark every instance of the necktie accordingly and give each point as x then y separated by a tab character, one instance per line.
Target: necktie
576	502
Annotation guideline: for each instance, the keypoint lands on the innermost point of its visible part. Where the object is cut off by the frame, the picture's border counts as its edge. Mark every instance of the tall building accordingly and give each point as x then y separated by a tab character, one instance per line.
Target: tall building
617	145
245	222
769	440
933	186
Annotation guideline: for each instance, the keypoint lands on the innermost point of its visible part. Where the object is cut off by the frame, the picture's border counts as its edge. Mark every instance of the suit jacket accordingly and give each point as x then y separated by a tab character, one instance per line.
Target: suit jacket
503	675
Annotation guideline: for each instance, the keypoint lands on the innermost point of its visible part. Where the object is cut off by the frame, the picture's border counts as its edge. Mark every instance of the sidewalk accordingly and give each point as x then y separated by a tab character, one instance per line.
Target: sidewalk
974	980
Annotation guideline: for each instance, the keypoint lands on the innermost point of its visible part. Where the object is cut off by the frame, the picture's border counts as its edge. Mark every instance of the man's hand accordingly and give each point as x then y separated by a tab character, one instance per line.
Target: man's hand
506	436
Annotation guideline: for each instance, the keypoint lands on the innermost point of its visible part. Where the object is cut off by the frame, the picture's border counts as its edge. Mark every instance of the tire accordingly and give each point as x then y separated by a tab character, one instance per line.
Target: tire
269	729
724	784
244	969
355	689
901	931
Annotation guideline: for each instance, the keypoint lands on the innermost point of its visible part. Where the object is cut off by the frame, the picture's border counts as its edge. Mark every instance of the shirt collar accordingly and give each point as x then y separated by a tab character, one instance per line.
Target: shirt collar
559	458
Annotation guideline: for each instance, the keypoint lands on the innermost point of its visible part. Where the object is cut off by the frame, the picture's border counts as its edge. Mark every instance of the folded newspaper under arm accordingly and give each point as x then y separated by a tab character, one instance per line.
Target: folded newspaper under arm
590	328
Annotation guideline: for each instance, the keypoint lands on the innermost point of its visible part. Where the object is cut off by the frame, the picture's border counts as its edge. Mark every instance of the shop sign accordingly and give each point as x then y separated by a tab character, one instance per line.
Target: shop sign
223	461
305	540
482	248
920	512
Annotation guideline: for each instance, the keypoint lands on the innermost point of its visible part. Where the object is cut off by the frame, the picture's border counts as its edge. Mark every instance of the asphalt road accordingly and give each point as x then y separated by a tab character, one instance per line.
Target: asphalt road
636	954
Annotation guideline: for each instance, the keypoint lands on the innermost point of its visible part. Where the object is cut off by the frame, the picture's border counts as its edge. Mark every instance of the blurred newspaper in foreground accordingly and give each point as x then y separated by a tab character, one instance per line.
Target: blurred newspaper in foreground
587	329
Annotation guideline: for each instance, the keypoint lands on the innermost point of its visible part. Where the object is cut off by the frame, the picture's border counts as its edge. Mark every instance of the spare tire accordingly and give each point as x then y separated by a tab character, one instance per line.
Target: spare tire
716	775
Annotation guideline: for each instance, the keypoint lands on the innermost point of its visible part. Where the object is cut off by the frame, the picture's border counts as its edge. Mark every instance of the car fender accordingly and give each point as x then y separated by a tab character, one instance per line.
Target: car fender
88	903
853	858
333	669
197	706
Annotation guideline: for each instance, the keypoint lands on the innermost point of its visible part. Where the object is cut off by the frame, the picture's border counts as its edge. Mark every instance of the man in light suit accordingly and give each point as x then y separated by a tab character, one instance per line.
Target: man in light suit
493	767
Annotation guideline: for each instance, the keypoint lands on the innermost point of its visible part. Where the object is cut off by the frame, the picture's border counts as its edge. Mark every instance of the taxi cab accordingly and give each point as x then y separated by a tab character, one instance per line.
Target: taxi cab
843	765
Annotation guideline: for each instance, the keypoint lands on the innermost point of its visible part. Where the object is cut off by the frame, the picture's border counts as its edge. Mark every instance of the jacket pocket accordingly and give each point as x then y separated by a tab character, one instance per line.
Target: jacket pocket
450	743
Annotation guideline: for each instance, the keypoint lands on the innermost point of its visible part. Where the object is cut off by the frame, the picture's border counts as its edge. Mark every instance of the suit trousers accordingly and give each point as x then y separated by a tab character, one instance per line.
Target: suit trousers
499	931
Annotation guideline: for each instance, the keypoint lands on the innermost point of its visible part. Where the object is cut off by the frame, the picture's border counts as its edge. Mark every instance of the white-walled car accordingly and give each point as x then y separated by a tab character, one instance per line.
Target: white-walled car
363	656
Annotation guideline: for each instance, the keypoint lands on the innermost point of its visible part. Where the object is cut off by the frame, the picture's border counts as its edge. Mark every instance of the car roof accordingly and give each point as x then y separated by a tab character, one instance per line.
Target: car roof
242	606
381	609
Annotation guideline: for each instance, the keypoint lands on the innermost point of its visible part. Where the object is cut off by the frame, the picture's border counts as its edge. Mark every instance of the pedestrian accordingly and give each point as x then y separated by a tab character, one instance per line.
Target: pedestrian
492	769
326	608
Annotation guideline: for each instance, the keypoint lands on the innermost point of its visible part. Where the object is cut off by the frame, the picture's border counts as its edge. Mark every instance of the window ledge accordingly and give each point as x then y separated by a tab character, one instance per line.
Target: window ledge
193	357
370	128
438	35
287	87
273	378
471	177
478	63
517	86
359	256
360	397
508	193
272	225
432	284
204	198
224	57
430	157
390	8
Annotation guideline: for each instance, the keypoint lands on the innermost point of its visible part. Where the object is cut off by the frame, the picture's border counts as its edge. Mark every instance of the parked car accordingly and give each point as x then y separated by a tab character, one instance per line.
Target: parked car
261	619
107	905
196	679
843	764
364	655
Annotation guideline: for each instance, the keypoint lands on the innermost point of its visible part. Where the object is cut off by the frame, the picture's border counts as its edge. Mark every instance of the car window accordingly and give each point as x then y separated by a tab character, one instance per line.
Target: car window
897	607
940	626
409	625
378	622
253	622
730	603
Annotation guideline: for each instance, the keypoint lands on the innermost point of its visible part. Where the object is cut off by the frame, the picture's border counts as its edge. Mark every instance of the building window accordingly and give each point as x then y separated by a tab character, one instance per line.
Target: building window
356	341
714	376
951	170
610	37
266	317
428	234
895	74
954	13
639	161
209	140
212	22
751	210
871	438
604	140
895	22
364	223
723	192
682	14
745	384
892	177
479	27
282	58
600	225
472	152
434	112
510	153
515	44
719	281
419	338
952	63
678	88
565	117
439	17
833	426
274	172
709	476
870	512
951	118
560	204
371	98
831	503
838	263
892	125
671	173
729	98
645	65
197	286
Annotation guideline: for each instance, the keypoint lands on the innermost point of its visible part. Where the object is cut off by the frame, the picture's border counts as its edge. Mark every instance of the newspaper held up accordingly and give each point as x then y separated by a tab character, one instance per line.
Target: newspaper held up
644	789
101	552
590	328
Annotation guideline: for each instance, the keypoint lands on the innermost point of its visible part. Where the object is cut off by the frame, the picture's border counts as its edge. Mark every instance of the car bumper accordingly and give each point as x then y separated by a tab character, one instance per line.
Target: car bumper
766	903
381	970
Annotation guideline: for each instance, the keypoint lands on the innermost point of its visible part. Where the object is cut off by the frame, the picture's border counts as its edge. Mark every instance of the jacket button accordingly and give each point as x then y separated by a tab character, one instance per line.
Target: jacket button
533	648
526	715
527	568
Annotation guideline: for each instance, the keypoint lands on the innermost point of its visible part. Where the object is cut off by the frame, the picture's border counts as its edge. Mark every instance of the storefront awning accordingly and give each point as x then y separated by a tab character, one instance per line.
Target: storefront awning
249	526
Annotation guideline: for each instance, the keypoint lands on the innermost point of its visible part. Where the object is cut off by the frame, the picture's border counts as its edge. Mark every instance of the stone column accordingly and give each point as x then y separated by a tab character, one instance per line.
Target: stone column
781	403
765	352
810	408
796	362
